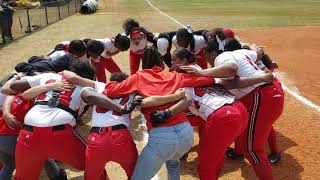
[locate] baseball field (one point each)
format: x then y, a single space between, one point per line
289 30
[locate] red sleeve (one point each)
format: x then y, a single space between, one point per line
116 90
193 81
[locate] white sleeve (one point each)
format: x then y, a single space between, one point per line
99 86
34 80
174 41
252 55
56 55
224 58
162 45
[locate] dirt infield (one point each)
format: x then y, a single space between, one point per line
294 48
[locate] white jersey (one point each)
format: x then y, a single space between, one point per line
209 99
2 98
105 118
162 46
45 116
245 61
57 54
199 41
139 49
109 48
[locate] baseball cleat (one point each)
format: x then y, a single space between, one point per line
231 154
274 158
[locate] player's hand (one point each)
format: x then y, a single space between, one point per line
11 121
268 77
191 70
129 107
159 117
70 76
138 100
181 93
61 86
274 65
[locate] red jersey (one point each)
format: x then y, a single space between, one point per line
155 81
19 109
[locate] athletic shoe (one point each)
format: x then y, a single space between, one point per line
274 158
231 154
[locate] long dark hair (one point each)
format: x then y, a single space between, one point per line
131 24
186 34
151 58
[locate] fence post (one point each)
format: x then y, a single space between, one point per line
46 12
29 24
68 9
59 10
75 5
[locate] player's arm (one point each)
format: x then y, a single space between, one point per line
91 96
161 100
159 117
14 85
38 90
10 119
222 71
76 79
246 81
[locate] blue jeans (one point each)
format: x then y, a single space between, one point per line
165 145
7 158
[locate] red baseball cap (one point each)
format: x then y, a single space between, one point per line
228 32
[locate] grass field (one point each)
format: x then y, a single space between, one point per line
297 129
239 14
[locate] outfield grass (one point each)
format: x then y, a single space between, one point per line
238 13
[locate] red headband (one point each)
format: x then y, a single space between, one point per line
136 31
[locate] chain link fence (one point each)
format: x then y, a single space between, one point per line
27 20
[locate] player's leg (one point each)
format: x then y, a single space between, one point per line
98 153
7 151
260 123
124 150
29 155
221 129
274 155
112 66
100 70
134 62
67 147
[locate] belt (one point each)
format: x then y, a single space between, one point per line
60 106
54 128
114 128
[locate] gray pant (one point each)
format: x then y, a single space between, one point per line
7 158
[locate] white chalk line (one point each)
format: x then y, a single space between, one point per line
297 96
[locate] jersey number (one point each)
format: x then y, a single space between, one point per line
123 101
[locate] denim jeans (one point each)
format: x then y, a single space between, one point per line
165 145
7 158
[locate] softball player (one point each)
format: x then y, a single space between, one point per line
76 47
139 39
47 130
194 43
257 98
111 47
109 138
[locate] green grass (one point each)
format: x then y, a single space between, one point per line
237 13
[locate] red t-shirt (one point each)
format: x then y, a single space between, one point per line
155 81
19 109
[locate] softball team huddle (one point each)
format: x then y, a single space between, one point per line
236 99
